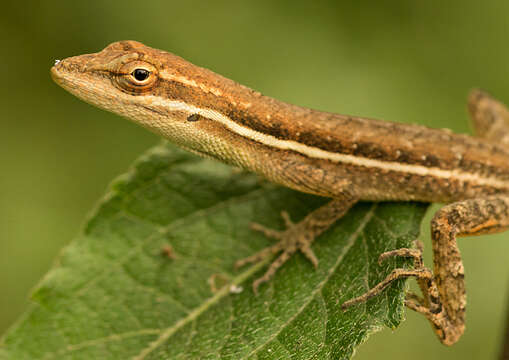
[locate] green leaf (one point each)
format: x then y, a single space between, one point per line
116 294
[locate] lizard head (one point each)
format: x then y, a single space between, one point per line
153 88
111 78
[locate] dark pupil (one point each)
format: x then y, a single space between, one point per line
141 74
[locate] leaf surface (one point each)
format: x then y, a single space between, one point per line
151 276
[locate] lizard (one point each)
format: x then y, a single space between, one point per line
344 158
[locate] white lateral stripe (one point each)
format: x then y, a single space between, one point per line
313 152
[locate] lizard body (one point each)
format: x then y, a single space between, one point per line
342 157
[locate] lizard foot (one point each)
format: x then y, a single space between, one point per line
296 237
423 275
430 304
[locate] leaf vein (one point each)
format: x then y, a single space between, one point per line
355 235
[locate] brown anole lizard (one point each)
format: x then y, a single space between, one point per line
342 157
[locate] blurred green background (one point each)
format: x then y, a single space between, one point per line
407 61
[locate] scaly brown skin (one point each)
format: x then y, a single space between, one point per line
342 157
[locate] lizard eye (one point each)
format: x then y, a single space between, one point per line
137 77
140 75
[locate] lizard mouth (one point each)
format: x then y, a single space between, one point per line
61 68
70 73
61 74
55 73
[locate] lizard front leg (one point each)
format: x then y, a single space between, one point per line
444 297
298 236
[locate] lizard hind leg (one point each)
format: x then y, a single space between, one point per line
297 236
490 117
444 296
